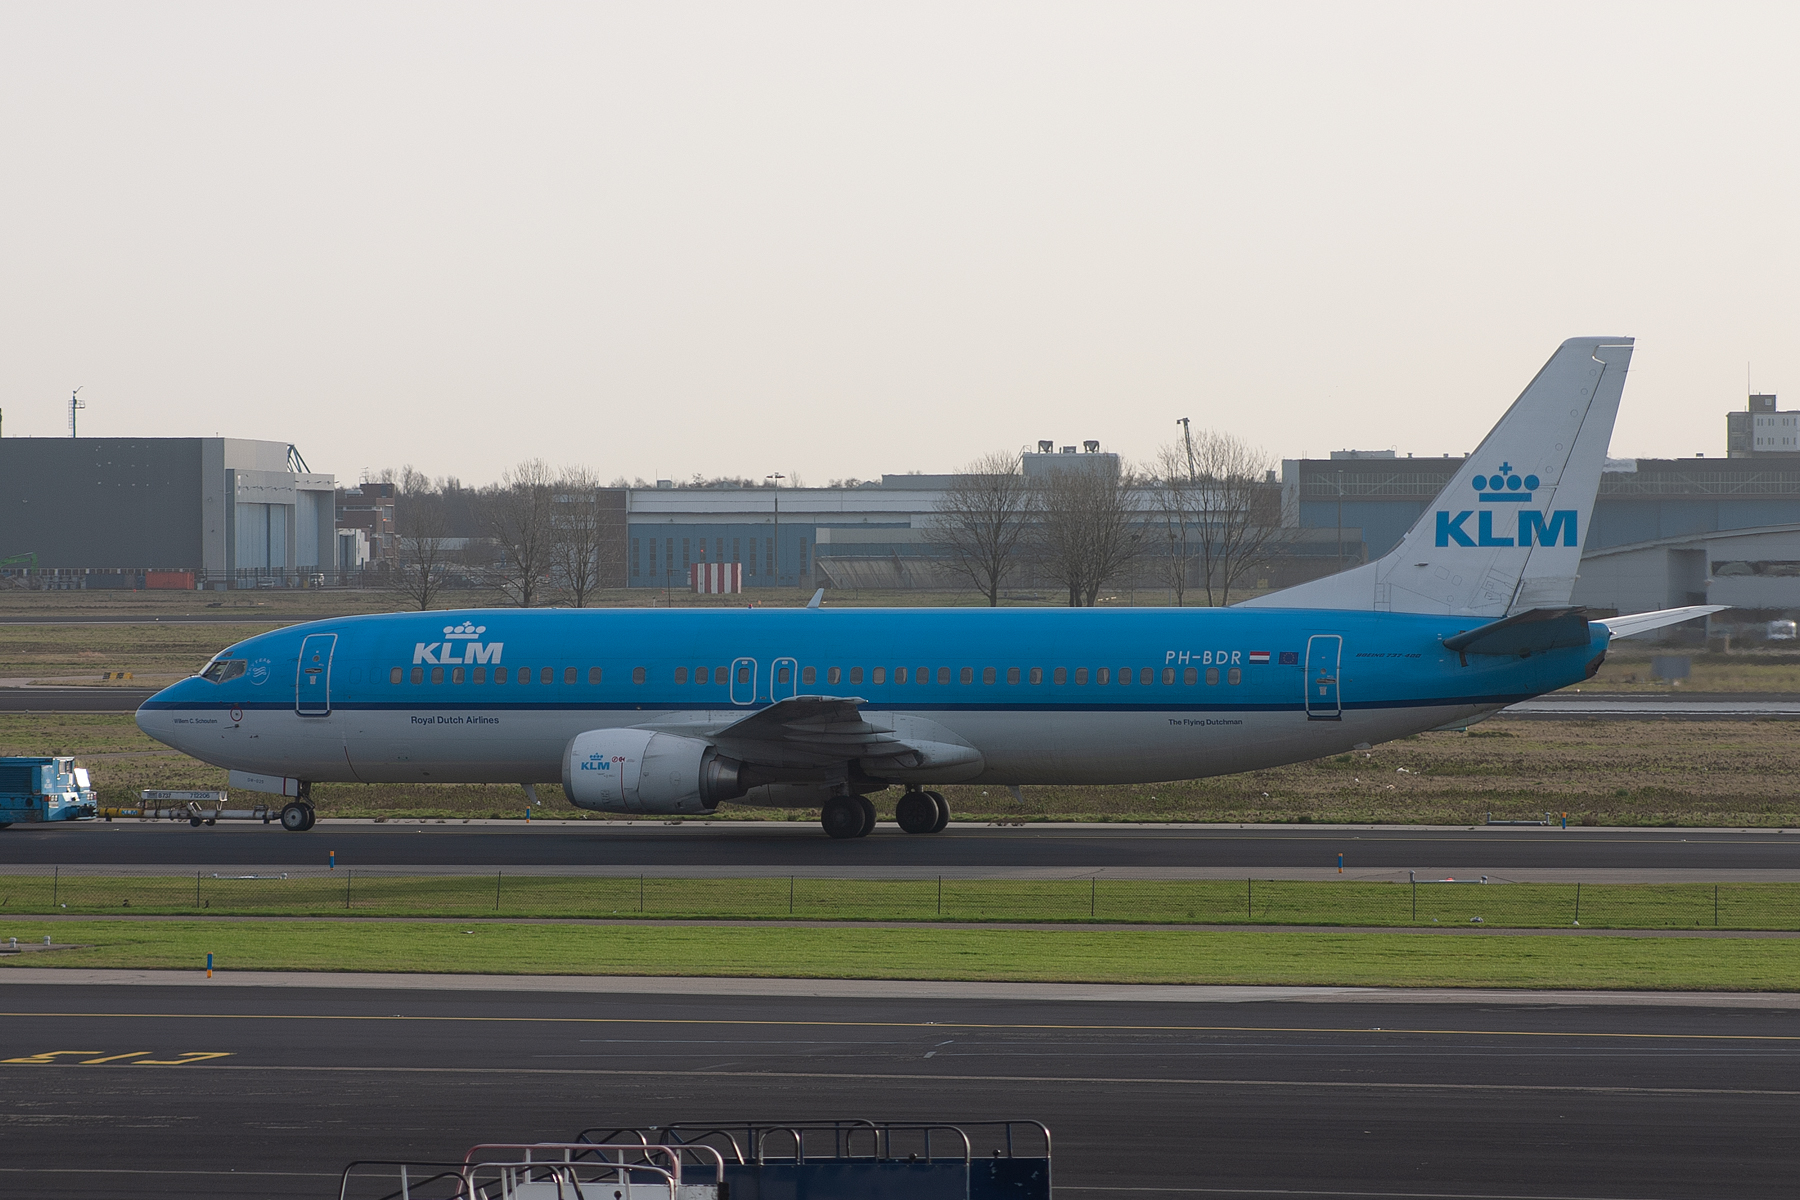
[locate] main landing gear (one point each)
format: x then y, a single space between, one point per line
848 816
854 816
922 812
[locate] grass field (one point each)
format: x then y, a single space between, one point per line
1600 772
1073 955
1749 906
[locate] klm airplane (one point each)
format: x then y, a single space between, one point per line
665 711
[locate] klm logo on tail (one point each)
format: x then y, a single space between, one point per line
1505 487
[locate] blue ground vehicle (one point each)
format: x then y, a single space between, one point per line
44 789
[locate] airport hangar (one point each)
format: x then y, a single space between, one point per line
162 512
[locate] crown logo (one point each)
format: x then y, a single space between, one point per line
466 631
1504 485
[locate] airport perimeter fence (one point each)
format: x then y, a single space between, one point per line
344 891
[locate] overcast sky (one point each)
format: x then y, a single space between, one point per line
842 239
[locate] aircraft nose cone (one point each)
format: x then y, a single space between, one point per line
153 715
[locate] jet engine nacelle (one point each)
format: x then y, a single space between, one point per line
642 771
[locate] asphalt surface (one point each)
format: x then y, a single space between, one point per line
802 848
73 699
1321 1099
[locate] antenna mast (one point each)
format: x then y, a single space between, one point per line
76 404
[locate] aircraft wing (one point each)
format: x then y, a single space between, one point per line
812 731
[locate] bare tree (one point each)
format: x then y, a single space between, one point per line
521 514
581 535
1229 508
422 547
1088 528
983 520
1175 489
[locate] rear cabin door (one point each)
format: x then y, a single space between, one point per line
1324 653
312 684
784 676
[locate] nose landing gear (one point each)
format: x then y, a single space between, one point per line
298 815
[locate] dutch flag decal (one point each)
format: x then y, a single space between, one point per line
1259 656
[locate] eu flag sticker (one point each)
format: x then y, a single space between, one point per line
1289 658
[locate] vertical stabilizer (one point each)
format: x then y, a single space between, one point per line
1505 535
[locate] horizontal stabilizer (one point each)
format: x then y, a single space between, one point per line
1528 632
1644 622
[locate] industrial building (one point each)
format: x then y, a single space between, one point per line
163 512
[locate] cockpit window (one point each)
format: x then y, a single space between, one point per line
223 669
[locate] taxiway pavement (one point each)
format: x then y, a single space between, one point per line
197 1091
739 849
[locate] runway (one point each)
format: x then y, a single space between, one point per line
735 848
190 1091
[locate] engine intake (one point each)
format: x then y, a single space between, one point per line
642 771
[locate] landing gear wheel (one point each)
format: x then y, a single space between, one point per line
868 816
842 817
294 819
943 811
916 813
312 818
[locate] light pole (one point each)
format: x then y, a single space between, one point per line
775 550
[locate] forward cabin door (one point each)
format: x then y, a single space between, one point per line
1324 654
312 683
743 681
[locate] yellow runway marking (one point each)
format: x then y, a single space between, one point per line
734 1022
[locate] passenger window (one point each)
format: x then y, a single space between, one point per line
834 675
524 676
721 675
1104 675
700 675
418 675
568 674
395 674
1060 675
499 674
680 674
785 675
1147 676
1124 676
437 674
856 675
456 675
1037 674
1190 676
900 675
1212 677
1080 676
1012 675
880 675
809 674
593 675
743 674
638 674
1235 676
944 675
479 675
1168 676
968 675
547 675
